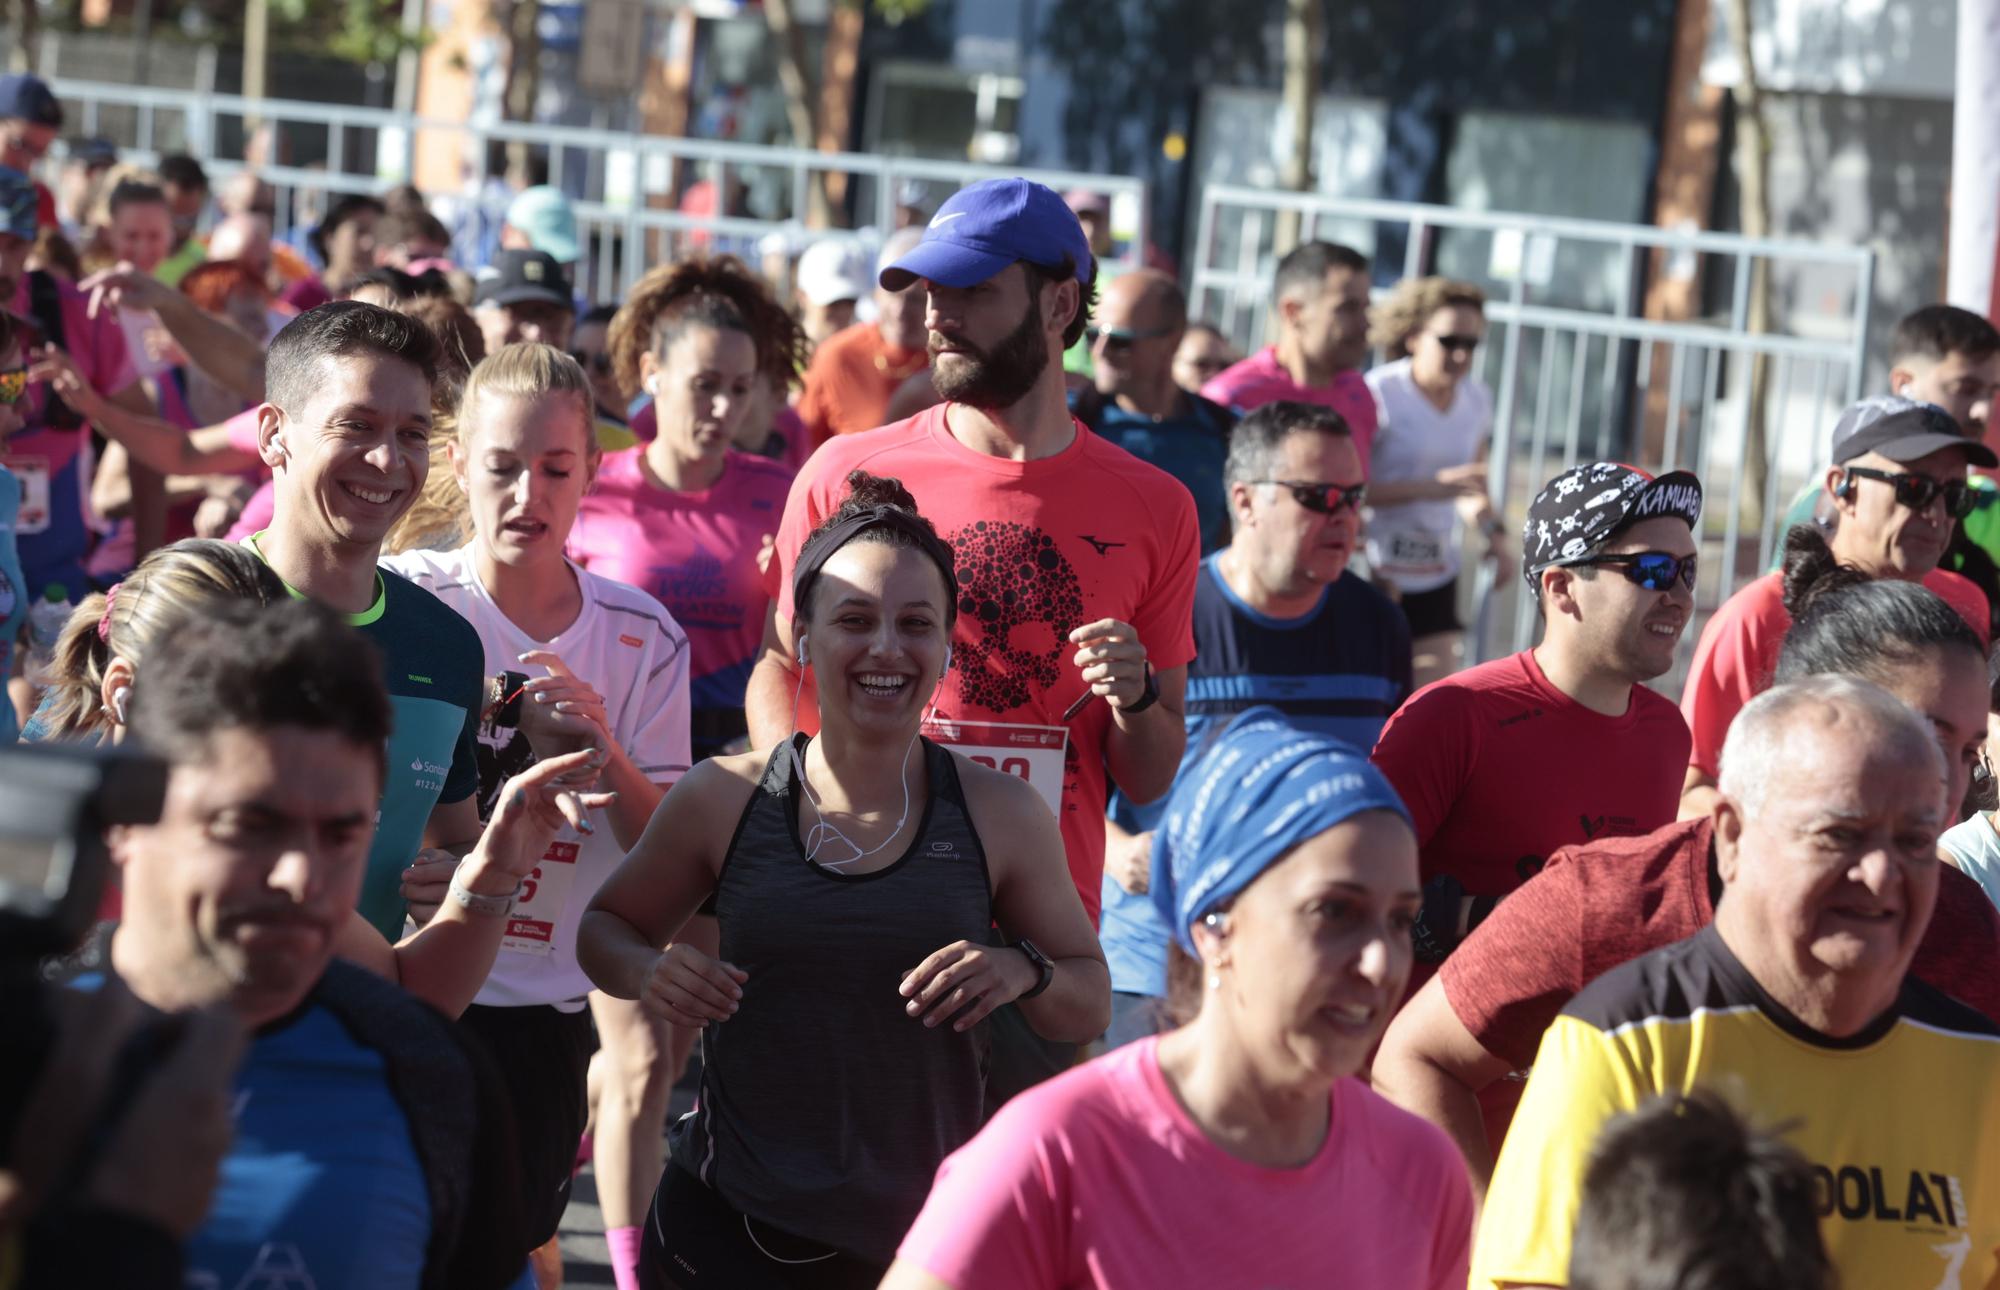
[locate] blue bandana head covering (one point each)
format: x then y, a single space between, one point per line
1261 787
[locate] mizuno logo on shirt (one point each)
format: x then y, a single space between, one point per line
420 680
1103 547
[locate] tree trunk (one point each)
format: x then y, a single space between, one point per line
1304 26
23 35
1753 174
524 64
797 85
256 53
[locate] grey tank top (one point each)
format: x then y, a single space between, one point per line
825 1109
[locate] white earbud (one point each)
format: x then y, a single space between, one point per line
278 447
121 697
803 660
652 384
947 663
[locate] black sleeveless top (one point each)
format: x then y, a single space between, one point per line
825 1109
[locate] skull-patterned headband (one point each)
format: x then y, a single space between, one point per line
1583 508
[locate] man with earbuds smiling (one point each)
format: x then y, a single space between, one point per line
346 431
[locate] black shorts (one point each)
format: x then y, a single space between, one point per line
695 1240
1434 611
544 1057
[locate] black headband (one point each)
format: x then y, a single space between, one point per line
819 548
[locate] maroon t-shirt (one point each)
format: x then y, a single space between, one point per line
1594 907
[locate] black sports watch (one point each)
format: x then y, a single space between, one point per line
1041 962
1149 696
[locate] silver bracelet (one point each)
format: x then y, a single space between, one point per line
475 903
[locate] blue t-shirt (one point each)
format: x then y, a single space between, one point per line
1192 447
435 670
13 593
1341 668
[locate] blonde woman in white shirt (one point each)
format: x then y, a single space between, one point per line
593 661
1428 470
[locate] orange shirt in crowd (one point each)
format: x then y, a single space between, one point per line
849 382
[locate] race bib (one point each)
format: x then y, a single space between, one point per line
33 472
1034 753
1425 550
531 928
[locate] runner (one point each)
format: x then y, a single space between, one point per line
1429 466
686 516
1610 554
856 371
616 679
1799 1003
1451 1053
1973 844
92 680
590 345
1204 354
1898 482
523 295
346 434
1320 302
1079 559
344 242
1277 616
841 865
370 1147
1239 1145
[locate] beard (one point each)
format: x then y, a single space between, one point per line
996 378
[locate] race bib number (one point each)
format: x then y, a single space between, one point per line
531 928
1034 753
33 472
1424 550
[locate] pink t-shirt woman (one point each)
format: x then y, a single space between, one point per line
1100 1179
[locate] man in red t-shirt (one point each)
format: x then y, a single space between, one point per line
857 370
1077 561
1898 483
1458 1053
1503 763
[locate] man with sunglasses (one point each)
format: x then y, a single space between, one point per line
1132 399
1897 484
1504 763
1279 620
590 346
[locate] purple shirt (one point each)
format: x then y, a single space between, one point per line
1261 379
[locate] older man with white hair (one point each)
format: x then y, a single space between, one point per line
1797 1005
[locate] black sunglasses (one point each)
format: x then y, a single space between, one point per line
600 363
1653 570
1120 337
1327 499
1918 491
1456 344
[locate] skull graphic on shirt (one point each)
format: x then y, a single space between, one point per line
1023 594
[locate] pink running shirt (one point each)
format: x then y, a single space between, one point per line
1098 1178
696 553
1261 379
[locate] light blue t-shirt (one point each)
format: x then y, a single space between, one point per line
1976 847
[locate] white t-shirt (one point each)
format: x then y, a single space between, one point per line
631 651
1416 544
1977 848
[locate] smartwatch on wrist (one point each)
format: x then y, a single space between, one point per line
1149 696
1041 962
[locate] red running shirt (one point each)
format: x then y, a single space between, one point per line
1043 547
1738 652
1597 906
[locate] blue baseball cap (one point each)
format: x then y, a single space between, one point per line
984 227
29 98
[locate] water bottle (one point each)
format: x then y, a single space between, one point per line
45 624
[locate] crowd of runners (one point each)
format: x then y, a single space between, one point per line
1022 750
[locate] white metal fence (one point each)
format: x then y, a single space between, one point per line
614 177
1576 373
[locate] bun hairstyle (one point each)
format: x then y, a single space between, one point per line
169 584
1845 622
717 292
876 510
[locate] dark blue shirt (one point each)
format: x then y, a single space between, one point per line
1192 446
1340 668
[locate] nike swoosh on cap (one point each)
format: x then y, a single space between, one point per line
946 219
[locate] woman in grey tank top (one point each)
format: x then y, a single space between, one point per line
858 878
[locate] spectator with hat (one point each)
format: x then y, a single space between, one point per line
830 280
1503 763
1897 484
30 115
523 295
854 374
542 219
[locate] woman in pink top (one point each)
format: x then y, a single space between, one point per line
686 516
1238 1148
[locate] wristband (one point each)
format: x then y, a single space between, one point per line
1147 697
475 903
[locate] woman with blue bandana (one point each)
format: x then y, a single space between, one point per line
1239 1144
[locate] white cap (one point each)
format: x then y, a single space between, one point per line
831 270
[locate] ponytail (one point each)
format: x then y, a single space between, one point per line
704 291
75 703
